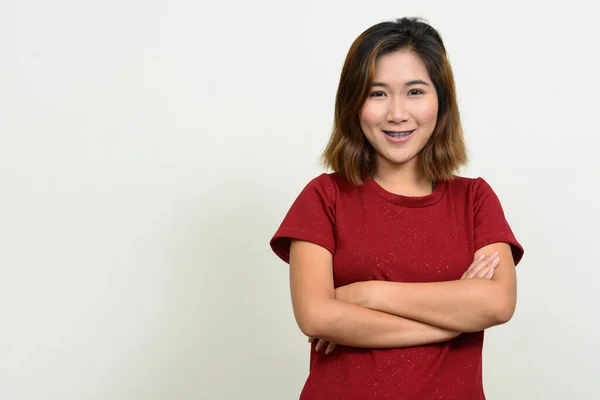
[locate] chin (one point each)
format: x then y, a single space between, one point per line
399 159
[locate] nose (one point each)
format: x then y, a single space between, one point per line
397 112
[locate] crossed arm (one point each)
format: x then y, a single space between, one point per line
380 314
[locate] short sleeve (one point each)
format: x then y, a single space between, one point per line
491 225
311 218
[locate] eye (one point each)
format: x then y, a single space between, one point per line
377 93
415 92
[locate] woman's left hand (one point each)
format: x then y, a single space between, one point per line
322 343
355 293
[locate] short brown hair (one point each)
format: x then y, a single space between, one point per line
348 151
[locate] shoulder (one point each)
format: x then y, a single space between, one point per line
330 185
323 180
333 179
322 185
479 195
466 182
473 187
320 191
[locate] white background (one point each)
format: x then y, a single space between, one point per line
149 150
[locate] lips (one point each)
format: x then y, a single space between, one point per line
398 134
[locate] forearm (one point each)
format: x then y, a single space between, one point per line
352 325
468 305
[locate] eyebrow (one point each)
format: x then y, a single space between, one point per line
407 84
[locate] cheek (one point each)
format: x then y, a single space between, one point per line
429 112
369 116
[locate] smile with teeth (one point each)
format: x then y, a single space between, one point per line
398 134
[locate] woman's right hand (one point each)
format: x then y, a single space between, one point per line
482 267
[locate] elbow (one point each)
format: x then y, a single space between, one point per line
504 311
311 322
308 327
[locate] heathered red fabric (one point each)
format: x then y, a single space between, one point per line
374 234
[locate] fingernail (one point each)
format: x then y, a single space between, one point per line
494 255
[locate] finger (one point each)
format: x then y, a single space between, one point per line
490 273
495 262
320 344
482 266
476 268
330 347
479 271
311 339
484 272
475 263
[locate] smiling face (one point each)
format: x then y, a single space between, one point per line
400 113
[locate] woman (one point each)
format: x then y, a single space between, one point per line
395 259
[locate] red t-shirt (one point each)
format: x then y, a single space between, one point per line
374 234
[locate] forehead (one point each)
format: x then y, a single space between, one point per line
400 66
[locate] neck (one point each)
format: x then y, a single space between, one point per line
402 179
